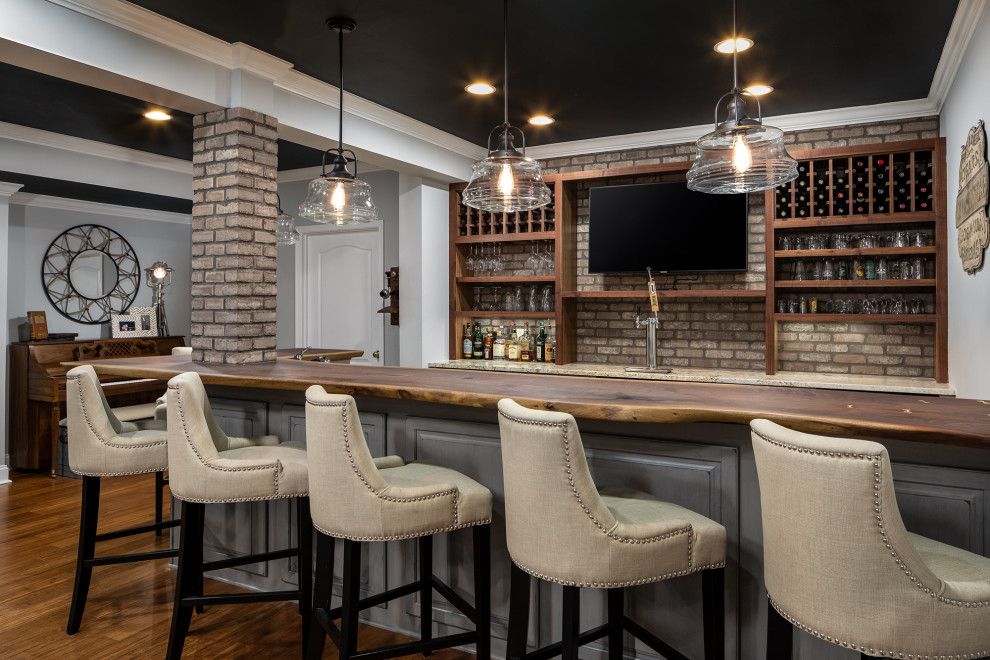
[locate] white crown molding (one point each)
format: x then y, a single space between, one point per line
964 25
8 189
98 208
42 138
241 56
795 122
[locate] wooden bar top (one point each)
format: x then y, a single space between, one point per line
962 422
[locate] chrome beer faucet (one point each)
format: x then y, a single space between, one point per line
651 323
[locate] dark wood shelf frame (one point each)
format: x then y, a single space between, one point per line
933 221
754 294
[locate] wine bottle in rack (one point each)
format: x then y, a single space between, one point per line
923 180
802 191
820 184
784 201
840 188
860 185
881 184
901 196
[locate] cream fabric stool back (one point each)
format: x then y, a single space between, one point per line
361 499
561 528
208 466
839 564
100 445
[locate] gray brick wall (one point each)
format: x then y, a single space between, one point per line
730 334
235 169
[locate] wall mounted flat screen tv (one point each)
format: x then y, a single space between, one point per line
667 227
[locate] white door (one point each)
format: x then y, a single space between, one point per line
339 271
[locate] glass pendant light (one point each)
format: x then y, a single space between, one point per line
285 230
741 155
340 197
506 181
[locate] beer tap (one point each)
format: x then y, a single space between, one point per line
651 323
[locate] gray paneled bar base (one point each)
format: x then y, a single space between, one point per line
943 492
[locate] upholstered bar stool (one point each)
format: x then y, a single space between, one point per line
839 564
360 499
101 445
562 529
206 467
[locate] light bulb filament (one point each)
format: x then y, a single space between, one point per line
742 158
337 197
505 182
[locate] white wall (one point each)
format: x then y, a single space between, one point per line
969 295
385 193
32 229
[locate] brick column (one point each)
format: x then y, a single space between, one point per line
235 165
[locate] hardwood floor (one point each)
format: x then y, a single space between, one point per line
129 610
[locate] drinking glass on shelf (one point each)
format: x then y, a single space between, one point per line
509 300
900 239
520 304
546 299
882 270
788 242
472 260
917 306
919 239
547 260
917 268
897 307
799 271
828 270
816 270
533 260
906 269
534 303
476 306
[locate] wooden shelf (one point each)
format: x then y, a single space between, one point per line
503 238
865 318
675 293
504 315
854 252
854 284
839 221
506 279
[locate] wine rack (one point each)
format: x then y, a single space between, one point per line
472 222
839 254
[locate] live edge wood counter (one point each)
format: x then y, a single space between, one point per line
961 422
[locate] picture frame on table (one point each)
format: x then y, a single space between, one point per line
147 320
124 325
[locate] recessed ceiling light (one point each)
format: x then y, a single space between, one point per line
158 115
541 120
726 45
480 88
759 90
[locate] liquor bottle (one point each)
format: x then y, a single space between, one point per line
478 345
498 350
468 343
488 344
511 347
553 346
525 343
541 344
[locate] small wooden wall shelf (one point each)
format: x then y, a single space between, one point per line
754 294
869 188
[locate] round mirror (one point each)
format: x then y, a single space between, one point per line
93 274
90 272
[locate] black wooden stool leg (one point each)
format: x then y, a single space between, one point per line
571 623
350 608
159 499
713 595
426 589
780 635
483 590
616 603
89 515
305 524
200 608
188 576
321 597
515 644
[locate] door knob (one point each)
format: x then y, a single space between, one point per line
376 354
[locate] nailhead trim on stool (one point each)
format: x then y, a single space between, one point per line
396 537
876 459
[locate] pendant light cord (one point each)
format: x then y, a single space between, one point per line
735 51
505 57
340 124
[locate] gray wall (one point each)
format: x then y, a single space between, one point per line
33 228
969 295
385 193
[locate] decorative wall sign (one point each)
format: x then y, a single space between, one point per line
971 202
90 272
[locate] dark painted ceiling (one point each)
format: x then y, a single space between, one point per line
600 68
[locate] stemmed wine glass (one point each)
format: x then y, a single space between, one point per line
547 261
534 261
472 260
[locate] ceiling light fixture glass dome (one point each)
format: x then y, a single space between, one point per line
285 229
506 180
340 197
741 155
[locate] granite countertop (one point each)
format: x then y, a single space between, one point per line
894 384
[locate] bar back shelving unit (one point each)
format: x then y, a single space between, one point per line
889 193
